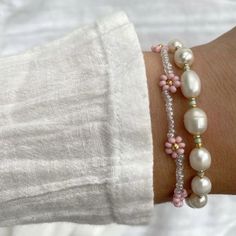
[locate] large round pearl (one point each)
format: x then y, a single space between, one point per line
195 121
201 186
196 201
190 84
183 56
200 159
174 44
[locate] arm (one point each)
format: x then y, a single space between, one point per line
215 63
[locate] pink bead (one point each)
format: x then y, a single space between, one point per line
177 195
156 48
171 76
173 89
165 87
168 150
176 78
174 155
167 144
171 140
179 204
182 145
176 200
162 83
178 139
163 77
180 151
177 83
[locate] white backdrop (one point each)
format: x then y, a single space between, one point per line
25 23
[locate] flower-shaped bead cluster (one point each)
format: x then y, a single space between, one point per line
175 146
170 82
178 198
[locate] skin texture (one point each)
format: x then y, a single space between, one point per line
215 63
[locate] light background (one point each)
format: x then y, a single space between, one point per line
26 23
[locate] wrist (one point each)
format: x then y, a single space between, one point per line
164 168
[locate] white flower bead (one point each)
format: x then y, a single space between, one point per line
174 44
183 56
201 186
195 121
190 84
200 159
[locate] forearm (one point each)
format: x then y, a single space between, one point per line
215 69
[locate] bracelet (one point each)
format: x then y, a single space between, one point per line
195 122
174 146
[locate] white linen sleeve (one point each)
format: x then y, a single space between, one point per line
75 136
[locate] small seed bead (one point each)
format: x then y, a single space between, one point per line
175 145
198 141
192 102
186 67
201 174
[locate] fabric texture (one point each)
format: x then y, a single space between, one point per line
75 130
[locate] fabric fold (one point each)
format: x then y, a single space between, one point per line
75 130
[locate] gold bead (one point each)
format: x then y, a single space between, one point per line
201 173
198 140
175 147
169 82
198 145
186 67
192 102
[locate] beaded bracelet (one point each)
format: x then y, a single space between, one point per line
195 122
174 145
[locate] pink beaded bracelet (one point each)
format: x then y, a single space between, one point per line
174 145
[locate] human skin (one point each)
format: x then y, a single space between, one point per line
215 63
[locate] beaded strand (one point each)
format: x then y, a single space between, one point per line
195 122
174 145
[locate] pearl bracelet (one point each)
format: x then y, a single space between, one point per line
195 122
174 145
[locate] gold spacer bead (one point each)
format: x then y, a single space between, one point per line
175 147
198 140
198 145
186 67
169 82
201 173
192 102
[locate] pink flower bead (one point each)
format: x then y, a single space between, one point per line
174 146
169 82
178 198
179 204
156 48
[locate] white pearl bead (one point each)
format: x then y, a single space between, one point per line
195 121
190 84
174 44
200 159
183 56
201 186
196 201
